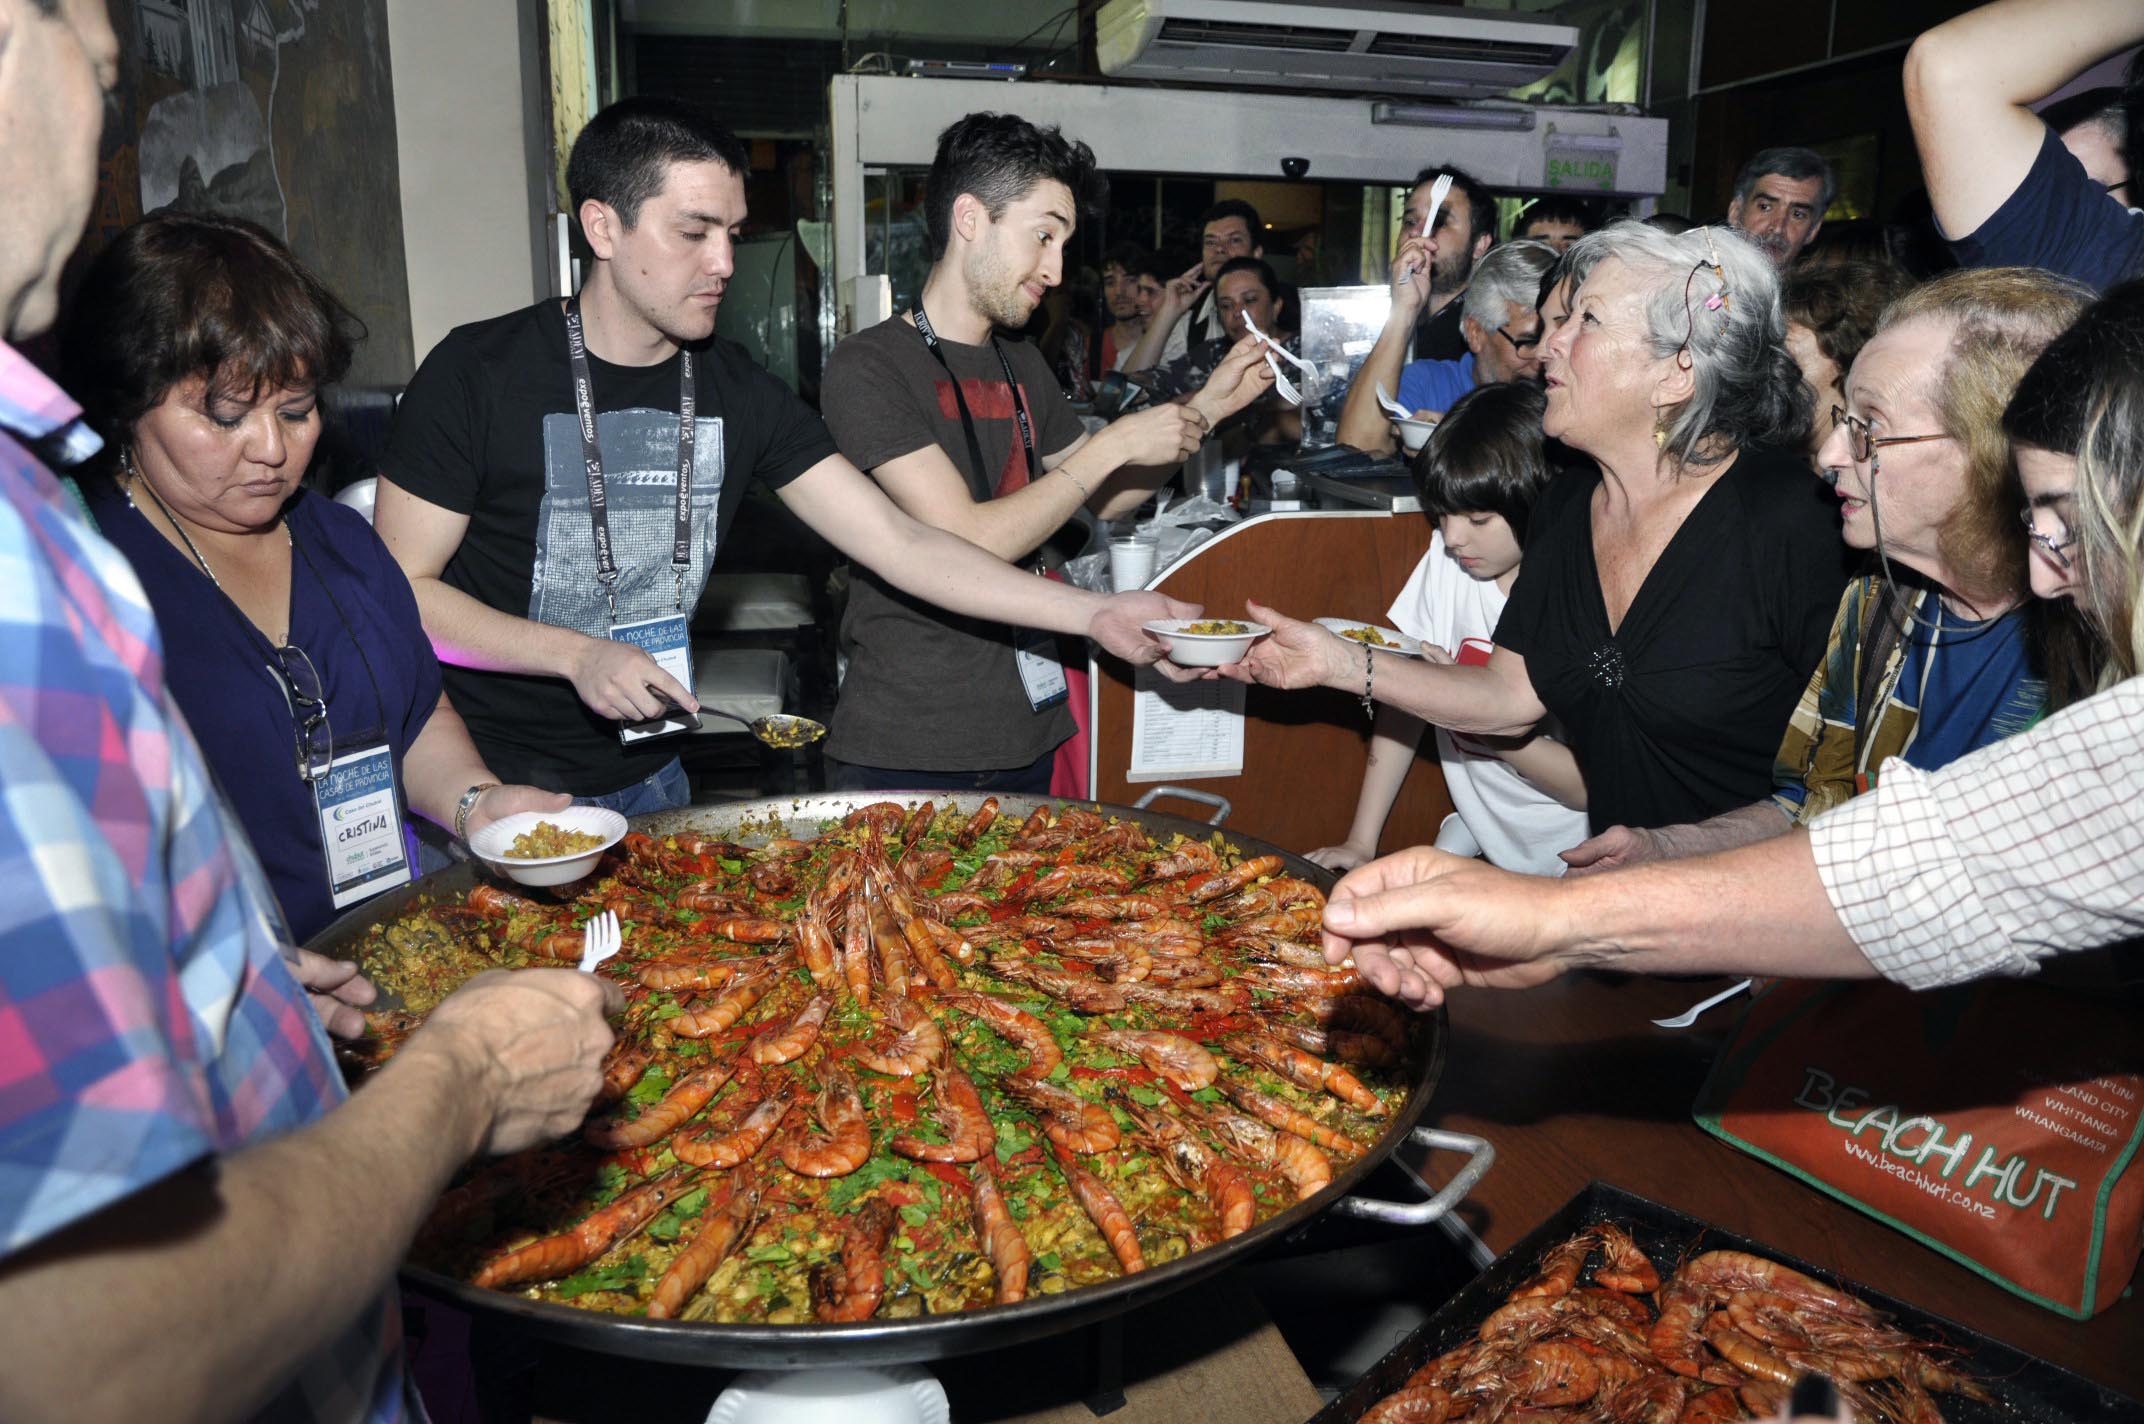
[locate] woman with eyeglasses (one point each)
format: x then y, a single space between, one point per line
1939 649
199 348
1673 601
2007 857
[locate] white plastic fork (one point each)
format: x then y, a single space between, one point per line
1392 407
1689 1016
1274 349
600 939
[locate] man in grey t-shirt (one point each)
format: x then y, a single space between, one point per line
969 432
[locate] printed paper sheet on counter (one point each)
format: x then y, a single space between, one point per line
1184 730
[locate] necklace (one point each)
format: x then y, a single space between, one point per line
135 477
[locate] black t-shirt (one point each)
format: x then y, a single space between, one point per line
487 429
1677 714
1438 337
2058 218
929 690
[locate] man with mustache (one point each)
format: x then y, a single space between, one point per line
1780 198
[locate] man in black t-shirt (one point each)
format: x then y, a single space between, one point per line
2006 193
503 452
968 431
1466 230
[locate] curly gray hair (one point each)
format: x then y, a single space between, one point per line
1713 298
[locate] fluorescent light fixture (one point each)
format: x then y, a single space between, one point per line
1448 116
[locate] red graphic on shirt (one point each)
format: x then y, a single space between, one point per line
988 401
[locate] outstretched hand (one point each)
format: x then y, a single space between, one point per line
1242 377
1420 922
1298 654
1119 626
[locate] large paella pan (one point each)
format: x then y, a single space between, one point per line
903 1079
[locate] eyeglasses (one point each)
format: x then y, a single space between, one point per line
308 710
1521 344
2063 538
1863 445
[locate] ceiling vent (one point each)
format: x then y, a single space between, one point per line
1363 47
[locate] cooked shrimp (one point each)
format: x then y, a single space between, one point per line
1365 1013
724 1150
1236 877
958 902
1088 996
623 1065
1715 1406
718 1235
745 929
884 817
1754 1359
496 903
686 1097
1648 1397
1184 974
1273 895
1038 821
1194 1166
1185 858
1421 1404
1016 1024
923 939
1067 878
958 1110
1248 1140
1676 1337
847 1144
1176 1058
1102 1208
1068 1120
1116 907
1365 1049
707 897
560 947
1000 1236
671 976
1624 1266
917 1047
1280 1114
855 1292
919 821
786 1045
856 947
815 946
1231 997
1307 1070
892 947
1000 867
586 1239
772 878
1306 983
1114 961
978 823
724 1012
1725 1272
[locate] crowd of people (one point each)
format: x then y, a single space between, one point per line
1772 720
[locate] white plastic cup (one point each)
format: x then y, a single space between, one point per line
1131 561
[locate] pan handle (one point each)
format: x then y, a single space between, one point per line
1480 1154
1221 804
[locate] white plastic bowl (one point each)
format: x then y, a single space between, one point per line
1414 434
1205 649
490 844
884 1394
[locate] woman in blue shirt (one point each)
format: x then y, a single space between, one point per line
200 346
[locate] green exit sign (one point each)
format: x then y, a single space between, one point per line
1592 170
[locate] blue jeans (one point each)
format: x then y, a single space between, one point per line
1032 779
664 790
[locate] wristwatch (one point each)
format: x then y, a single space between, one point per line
463 807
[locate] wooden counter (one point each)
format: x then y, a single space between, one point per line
1303 752
1572 1082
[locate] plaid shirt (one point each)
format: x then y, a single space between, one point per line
147 1019
2029 848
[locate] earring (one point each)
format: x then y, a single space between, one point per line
1660 434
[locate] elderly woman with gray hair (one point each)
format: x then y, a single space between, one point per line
1673 602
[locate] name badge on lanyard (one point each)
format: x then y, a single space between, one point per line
665 638
1034 652
361 825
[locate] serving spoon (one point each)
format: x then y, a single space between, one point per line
779 730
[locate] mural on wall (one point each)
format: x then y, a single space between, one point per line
279 111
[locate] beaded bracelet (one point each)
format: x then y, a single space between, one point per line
1369 682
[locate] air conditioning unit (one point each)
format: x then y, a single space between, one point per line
1367 46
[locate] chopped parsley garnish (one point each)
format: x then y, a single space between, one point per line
621 1276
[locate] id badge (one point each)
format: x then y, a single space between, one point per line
669 642
1041 674
361 825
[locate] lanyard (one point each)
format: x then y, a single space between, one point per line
967 421
584 404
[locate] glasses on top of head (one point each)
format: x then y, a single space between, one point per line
1524 345
1863 445
2063 537
309 712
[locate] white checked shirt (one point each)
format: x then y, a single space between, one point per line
2028 848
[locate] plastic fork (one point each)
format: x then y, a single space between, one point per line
1281 383
1392 407
1437 192
600 939
1689 1016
